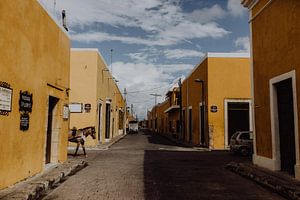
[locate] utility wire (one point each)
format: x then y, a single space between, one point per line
148 90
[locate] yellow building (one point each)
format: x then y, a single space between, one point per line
215 106
275 46
95 99
34 82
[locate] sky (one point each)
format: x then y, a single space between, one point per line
153 42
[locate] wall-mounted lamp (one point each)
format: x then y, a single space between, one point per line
68 91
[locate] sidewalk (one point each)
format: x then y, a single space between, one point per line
37 186
278 182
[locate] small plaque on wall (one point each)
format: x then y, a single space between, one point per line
66 112
87 107
5 98
24 122
25 101
213 109
75 107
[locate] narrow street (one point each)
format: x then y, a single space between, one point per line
142 166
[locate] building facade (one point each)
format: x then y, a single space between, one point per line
215 101
95 99
34 85
275 45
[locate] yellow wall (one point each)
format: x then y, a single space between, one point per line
225 77
92 83
275 40
34 52
191 96
229 78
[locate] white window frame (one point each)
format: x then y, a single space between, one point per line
275 121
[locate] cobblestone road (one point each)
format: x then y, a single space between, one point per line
149 167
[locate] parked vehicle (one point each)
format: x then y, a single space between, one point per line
133 127
242 142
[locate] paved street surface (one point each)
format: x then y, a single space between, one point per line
149 167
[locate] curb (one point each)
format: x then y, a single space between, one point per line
116 141
282 185
107 146
36 189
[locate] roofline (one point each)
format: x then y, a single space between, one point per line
249 3
97 51
217 55
91 49
54 20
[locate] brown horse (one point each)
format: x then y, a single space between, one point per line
79 136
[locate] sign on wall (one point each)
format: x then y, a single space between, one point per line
25 101
5 98
87 107
66 112
75 107
213 109
24 122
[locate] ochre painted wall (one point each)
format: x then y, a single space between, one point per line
229 78
191 96
276 42
34 52
83 84
92 83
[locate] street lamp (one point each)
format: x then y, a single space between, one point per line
202 111
180 109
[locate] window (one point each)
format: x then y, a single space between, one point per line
245 136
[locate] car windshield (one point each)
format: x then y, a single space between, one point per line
234 135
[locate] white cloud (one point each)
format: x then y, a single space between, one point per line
235 8
182 53
164 21
141 79
100 37
244 43
207 14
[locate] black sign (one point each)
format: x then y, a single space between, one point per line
87 107
214 109
25 101
24 122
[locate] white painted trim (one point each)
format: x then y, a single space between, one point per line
249 3
101 119
261 10
226 101
274 116
252 87
265 162
227 55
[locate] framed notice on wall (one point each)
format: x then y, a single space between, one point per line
75 107
5 99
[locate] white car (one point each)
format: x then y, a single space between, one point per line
242 142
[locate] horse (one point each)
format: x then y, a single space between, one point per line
79 136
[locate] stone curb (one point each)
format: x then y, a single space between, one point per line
36 188
286 187
116 141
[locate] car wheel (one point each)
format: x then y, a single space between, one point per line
244 151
